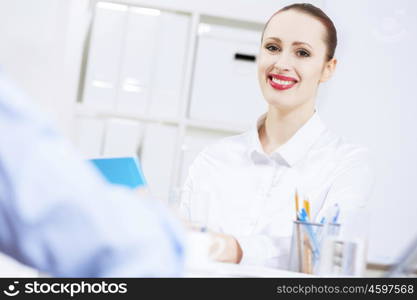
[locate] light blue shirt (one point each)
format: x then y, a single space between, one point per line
59 216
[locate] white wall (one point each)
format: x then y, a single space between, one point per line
372 101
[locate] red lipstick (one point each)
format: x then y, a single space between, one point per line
279 86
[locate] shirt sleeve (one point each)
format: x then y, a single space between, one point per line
188 189
264 250
190 181
59 216
352 192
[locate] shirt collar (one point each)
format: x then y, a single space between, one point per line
294 149
255 151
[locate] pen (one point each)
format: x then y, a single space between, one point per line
307 207
332 214
331 217
336 214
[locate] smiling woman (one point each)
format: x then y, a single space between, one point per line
296 55
254 175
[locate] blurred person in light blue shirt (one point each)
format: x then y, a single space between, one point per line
59 216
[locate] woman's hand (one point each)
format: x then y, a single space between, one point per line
232 252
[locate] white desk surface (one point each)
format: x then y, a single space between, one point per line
216 269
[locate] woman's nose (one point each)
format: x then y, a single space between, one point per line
283 62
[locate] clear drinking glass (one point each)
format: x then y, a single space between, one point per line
192 206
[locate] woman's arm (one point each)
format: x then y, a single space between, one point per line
351 190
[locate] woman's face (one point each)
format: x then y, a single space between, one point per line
292 60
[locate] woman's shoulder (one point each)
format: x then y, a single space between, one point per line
344 149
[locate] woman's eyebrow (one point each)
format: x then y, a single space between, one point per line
275 39
296 43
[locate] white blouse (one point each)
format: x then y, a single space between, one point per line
252 193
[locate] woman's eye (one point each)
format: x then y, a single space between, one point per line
272 48
303 53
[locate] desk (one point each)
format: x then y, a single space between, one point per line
216 269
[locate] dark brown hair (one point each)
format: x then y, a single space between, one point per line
317 13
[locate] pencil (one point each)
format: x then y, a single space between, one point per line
300 256
297 206
308 256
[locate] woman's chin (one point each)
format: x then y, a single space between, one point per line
282 104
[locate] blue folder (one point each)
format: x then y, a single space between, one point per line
124 171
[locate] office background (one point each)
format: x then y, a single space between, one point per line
162 79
